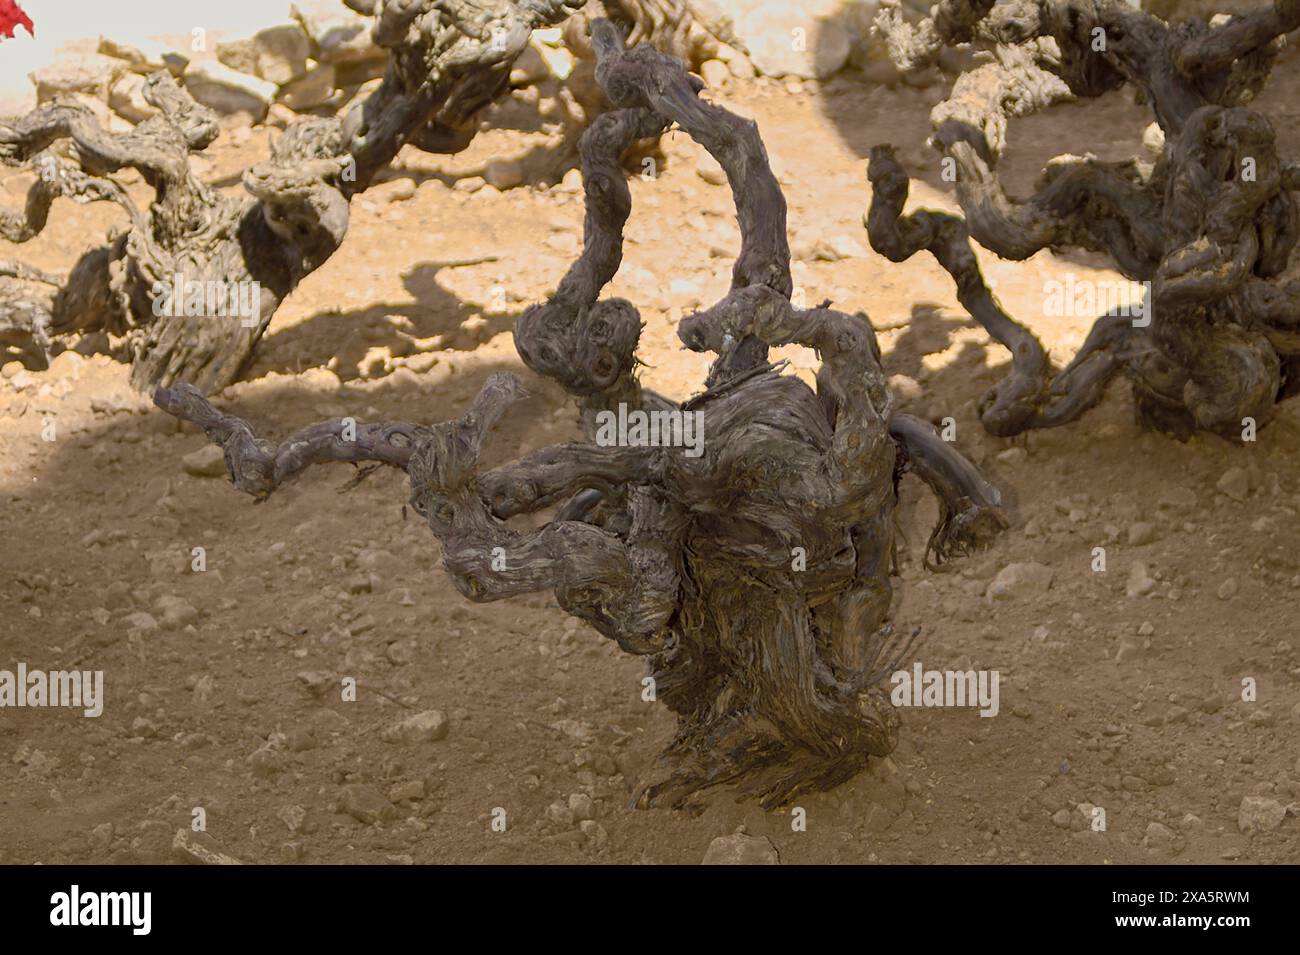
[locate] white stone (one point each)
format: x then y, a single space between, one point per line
313 89
228 91
806 39
338 34
277 54
146 56
92 74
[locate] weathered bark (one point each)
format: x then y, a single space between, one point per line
448 59
670 26
753 575
1210 225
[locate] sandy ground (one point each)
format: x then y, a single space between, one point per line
1132 704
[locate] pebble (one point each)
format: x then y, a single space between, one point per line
1020 580
581 806
102 835
1140 533
503 173
596 835
1227 590
1158 835
1260 814
400 190
208 461
560 814
905 388
741 849
176 612
293 817
404 792
709 169
715 73
426 727
1235 483
265 762
366 804
1139 581
571 181
144 622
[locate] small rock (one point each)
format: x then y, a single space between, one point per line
175 612
426 727
144 622
1141 532
200 847
339 34
905 388
504 173
292 816
1260 814
102 835
709 169
145 56
1235 483
1158 835
208 461
820 47
581 806
741 849
1016 581
228 91
571 181
313 89
715 73
399 190
408 791
1139 581
560 815
595 833
265 762
366 804
92 74
1227 590
277 54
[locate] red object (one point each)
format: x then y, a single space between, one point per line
12 17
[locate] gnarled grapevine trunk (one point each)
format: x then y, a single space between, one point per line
1210 226
232 261
752 569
